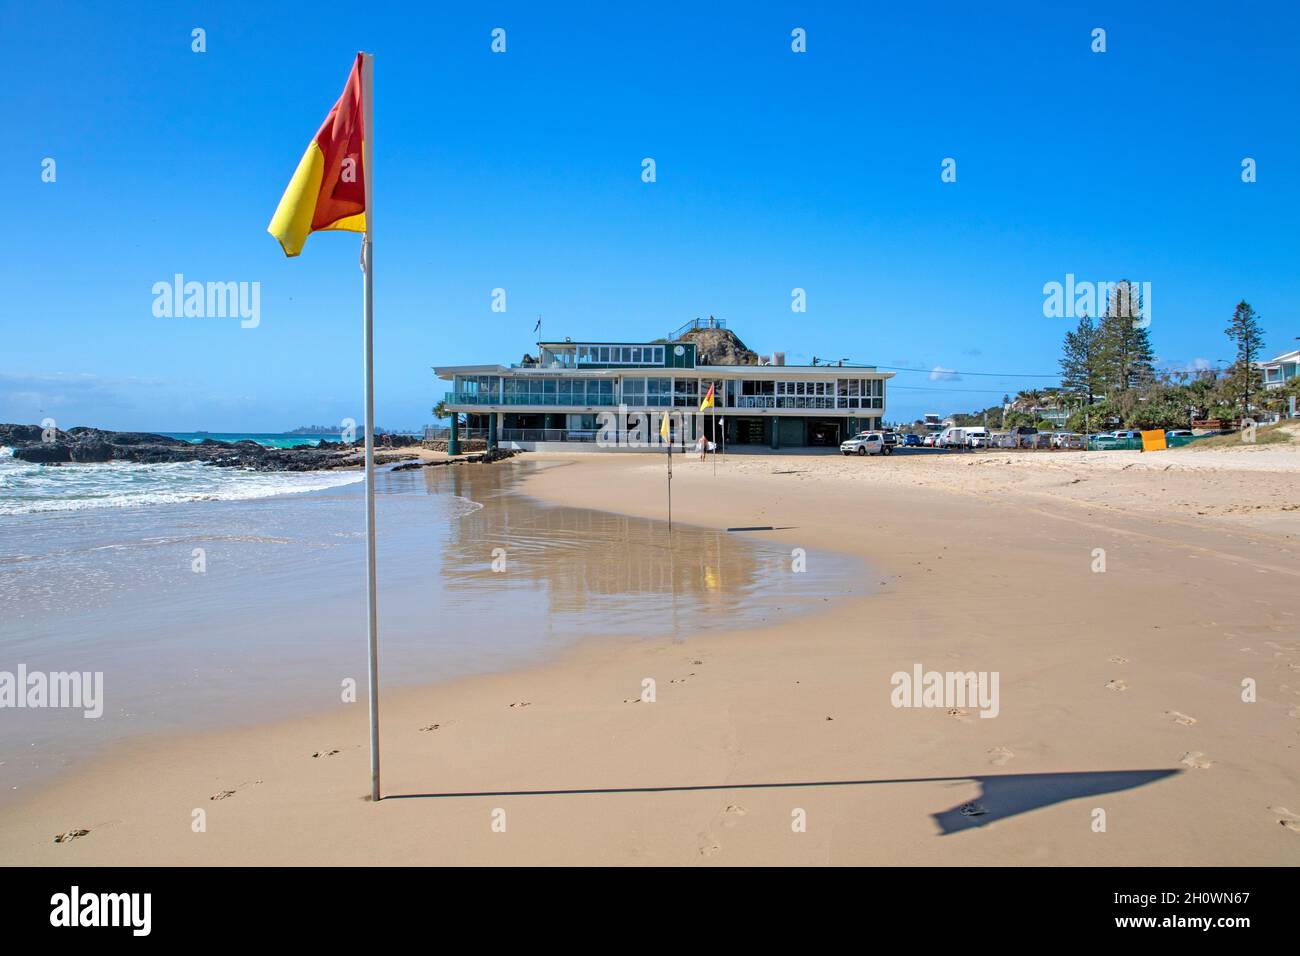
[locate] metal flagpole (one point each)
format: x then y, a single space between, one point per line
714 429
368 264
669 444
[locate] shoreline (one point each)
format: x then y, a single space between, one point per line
795 716
67 761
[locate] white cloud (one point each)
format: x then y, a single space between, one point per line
941 374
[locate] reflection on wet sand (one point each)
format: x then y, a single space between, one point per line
621 573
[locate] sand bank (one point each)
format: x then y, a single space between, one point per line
1120 692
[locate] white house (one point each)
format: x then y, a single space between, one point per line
1280 371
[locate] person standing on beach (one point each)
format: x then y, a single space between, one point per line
702 446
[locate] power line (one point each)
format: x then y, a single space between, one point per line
946 371
931 388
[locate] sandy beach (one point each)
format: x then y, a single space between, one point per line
1121 694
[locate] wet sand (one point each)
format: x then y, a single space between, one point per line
1120 693
275 624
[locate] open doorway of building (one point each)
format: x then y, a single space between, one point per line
825 433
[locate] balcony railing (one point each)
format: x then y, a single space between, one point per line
822 402
443 433
470 398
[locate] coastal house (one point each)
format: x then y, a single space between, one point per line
1280 371
614 394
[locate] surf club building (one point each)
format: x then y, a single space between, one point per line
613 395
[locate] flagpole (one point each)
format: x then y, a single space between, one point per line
368 290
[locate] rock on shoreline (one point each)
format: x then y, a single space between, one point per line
84 445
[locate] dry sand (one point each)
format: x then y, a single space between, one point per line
1120 692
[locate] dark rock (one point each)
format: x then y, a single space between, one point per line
44 453
92 451
14 436
89 445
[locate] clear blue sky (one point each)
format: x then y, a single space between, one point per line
522 171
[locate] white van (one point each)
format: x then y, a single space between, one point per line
952 438
977 437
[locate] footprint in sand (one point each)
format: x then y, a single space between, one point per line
709 846
429 727
521 703
732 814
75 834
1194 758
1289 820
957 712
226 794
1116 685
999 756
1294 712
1118 660
972 810
325 753
1180 718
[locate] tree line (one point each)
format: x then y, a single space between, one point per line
1109 379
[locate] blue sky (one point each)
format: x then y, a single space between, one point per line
522 171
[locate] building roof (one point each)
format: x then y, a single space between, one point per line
1292 356
448 372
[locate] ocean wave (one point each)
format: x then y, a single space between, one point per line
465 506
27 488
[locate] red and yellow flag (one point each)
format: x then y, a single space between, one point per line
328 189
708 400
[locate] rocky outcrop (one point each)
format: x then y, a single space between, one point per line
719 347
93 445
487 458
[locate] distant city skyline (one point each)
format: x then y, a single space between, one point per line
915 179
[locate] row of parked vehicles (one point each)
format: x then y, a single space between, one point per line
884 442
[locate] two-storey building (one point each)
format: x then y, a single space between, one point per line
574 390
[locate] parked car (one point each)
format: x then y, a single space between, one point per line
1024 436
912 440
1131 435
892 440
1068 440
1178 433
865 443
977 440
929 440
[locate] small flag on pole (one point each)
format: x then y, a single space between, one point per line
708 400
328 189
664 429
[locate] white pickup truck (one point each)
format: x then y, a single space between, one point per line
865 443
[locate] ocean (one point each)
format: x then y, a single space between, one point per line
209 597
269 439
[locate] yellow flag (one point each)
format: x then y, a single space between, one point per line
708 400
328 189
663 428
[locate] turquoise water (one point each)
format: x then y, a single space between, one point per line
269 439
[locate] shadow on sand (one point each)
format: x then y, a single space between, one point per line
1001 795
